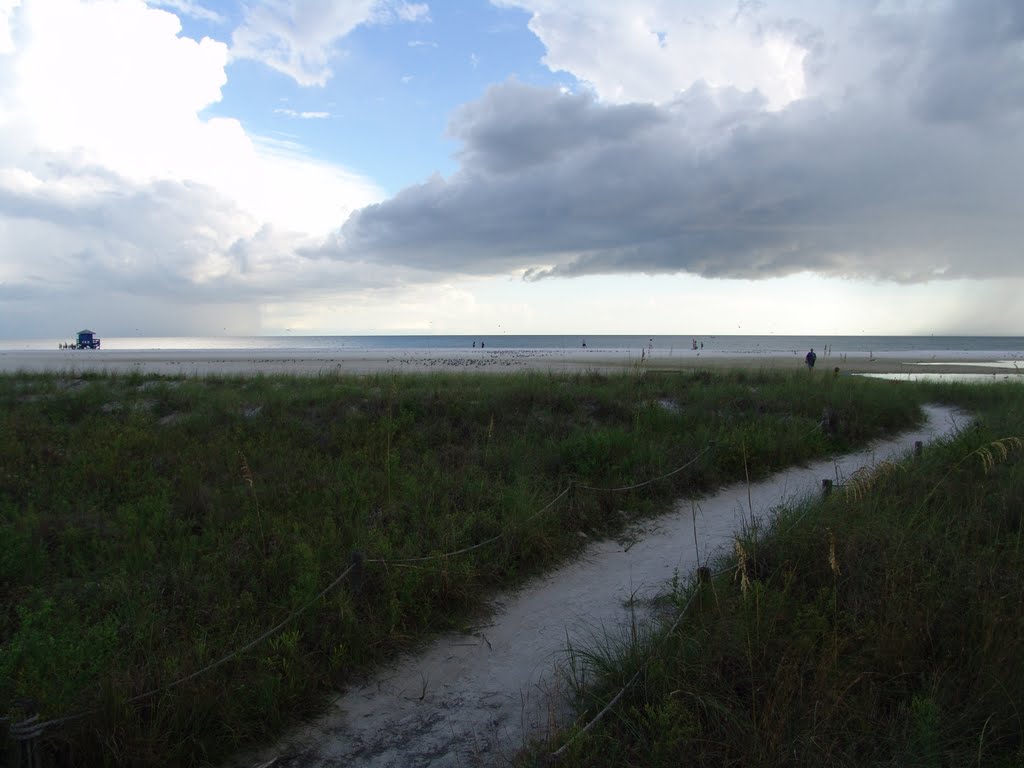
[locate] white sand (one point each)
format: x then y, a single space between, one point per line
250 362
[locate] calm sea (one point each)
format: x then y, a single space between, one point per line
730 344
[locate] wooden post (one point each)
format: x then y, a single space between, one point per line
826 488
704 597
355 580
918 447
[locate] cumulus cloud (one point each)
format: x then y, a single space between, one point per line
650 50
114 85
300 37
907 173
114 82
115 190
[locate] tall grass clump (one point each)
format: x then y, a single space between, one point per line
883 625
152 526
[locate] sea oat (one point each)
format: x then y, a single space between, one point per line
246 472
741 553
833 561
864 480
998 451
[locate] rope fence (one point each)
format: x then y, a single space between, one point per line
827 486
464 550
29 729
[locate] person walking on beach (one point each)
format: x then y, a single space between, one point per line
810 359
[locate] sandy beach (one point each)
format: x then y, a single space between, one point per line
292 362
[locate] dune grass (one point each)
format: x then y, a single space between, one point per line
152 525
882 626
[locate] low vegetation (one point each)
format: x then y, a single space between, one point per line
152 527
882 626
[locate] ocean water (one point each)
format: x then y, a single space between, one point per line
723 344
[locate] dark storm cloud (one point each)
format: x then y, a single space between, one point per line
914 177
975 69
527 127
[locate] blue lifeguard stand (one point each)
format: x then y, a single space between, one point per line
87 340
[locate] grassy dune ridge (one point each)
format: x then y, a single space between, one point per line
151 525
881 626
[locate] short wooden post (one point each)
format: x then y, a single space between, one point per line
918 447
703 599
356 576
826 488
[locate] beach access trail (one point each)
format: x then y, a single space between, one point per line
476 698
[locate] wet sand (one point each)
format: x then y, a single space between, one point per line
314 363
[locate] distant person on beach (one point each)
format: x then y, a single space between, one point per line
474 345
810 359
584 343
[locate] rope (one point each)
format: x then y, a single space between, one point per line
38 729
542 510
557 754
676 471
478 545
248 645
34 729
28 729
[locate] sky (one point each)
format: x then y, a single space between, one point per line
306 167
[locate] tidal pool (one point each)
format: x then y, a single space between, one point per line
966 378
